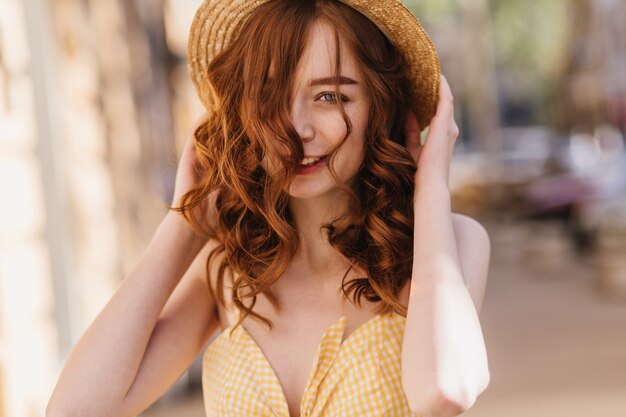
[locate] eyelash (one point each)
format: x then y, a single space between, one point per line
343 98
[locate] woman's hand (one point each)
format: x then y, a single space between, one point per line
187 171
188 175
434 157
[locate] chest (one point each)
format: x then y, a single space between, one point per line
291 345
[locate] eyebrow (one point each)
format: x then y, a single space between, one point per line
331 81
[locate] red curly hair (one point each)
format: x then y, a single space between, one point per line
251 120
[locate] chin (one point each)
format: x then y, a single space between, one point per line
326 187
305 193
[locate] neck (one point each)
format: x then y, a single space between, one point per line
315 256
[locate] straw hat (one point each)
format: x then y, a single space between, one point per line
217 23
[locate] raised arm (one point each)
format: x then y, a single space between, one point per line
148 333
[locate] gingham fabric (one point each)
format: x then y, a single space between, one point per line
358 377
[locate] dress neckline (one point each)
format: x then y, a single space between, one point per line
330 343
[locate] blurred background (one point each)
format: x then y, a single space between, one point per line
95 103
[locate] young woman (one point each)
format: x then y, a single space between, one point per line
309 224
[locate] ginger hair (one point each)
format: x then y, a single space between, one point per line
251 119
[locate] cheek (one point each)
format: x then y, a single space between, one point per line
358 136
358 150
351 155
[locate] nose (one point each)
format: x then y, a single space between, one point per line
301 120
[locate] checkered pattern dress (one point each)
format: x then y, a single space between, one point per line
358 377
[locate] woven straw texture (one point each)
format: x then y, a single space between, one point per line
218 22
355 376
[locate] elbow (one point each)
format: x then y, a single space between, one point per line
437 403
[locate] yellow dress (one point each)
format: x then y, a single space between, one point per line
358 377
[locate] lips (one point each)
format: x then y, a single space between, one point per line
316 162
310 169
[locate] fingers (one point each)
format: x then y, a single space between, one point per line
444 116
188 154
445 106
200 119
196 124
189 147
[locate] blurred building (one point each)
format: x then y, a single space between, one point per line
89 92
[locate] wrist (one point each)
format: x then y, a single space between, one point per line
431 187
182 230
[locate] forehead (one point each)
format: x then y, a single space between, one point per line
318 58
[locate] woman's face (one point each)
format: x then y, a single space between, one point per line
316 116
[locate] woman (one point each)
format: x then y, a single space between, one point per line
310 225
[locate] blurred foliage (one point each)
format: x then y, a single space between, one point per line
530 40
432 11
531 50
531 36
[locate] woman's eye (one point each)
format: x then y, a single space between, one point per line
333 97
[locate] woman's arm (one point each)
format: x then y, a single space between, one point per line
151 329
444 360
126 338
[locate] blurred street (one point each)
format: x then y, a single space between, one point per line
557 346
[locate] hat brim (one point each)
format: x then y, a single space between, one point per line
217 23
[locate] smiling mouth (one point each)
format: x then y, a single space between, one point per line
313 163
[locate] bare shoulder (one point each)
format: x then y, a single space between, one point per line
474 246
